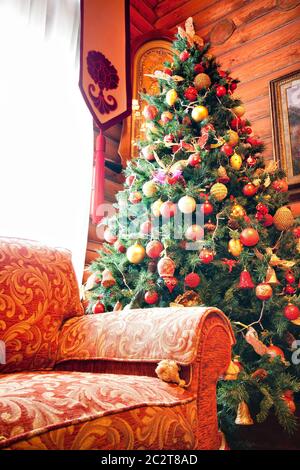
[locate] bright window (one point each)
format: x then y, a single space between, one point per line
46 132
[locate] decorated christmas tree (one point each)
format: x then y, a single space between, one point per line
203 220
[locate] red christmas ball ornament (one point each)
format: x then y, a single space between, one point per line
289 277
233 86
192 280
184 55
296 232
194 159
135 197
280 186
207 208
151 297
119 246
154 249
249 236
169 138
253 141
251 161
168 209
268 220
223 74
274 351
262 208
168 71
206 256
109 237
150 112
227 149
290 290
198 68
98 307
250 190
263 291
146 227
191 93
237 123
221 90
194 232
291 312
148 153
130 180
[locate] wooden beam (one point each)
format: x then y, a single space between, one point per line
144 10
139 21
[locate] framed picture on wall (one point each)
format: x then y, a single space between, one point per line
285 105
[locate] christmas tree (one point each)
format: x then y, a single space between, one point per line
203 220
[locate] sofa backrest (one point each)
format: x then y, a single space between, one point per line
38 292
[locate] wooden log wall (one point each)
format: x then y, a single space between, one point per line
258 40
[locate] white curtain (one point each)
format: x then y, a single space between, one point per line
46 132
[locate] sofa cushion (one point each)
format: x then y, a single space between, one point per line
38 291
34 404
140 335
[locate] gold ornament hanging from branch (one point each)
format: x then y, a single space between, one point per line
243 416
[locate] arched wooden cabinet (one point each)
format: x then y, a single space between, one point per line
148 58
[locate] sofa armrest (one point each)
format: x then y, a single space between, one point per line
140 335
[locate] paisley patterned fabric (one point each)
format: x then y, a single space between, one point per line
38 291
147 335
75 410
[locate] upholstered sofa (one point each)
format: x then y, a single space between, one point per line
75 381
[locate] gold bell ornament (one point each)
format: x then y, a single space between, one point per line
232 372
283 218
271 277
107 279
243 415
219 191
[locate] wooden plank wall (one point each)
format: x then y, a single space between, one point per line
258 40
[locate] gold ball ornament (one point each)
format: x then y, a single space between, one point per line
283 218
180 165
202 80
149 189
187 204
171 97
237 211
219 191
239 111
199 113
236 161
156 207
233 138
136 253
235 247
